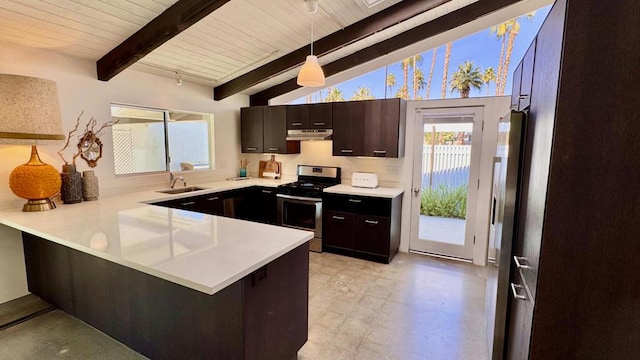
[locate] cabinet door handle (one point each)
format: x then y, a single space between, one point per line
338 217
267 191
274 149
371 222
296 124
213 198
252 149
379 151
514 289
523 96
521 262
187 203
355 200
319 124
346 151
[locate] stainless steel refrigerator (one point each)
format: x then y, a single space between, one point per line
504 218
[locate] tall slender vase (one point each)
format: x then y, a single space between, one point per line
89 186
71 191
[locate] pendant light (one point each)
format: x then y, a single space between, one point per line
311 73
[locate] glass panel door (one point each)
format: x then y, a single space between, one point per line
445 181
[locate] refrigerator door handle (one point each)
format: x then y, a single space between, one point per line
521 262
514 290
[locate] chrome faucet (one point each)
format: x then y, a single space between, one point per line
173 179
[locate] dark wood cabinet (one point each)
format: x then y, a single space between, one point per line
310 116
361 226
528 63
384 128
264 130
369 128
252 203
251 129
163 320
338 230
348 128
373 235
577 216
267 205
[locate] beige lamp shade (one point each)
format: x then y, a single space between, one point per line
311 73
29 111
30 115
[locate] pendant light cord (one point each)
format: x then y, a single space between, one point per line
311 33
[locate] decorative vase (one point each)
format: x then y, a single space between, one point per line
71 191
89 186
243 172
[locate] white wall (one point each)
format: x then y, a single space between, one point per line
399 172
78 90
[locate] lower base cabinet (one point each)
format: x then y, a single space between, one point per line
261 316
361 226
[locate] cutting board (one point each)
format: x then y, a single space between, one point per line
262 165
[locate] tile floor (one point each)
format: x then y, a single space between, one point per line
417 307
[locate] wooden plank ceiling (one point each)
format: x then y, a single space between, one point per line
229 48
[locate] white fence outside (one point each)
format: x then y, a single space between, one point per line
449 165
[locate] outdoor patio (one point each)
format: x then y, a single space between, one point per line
446 230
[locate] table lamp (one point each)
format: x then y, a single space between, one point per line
30 115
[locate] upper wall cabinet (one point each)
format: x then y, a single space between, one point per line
523 80
309 116
251 129
369 128
264 130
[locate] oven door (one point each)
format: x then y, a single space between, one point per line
300 213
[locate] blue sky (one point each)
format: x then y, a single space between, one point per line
483 48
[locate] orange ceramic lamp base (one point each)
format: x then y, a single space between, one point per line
37 182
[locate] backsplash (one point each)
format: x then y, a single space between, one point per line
320 153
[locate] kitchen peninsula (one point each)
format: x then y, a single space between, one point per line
171 283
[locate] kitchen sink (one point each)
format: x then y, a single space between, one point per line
182 190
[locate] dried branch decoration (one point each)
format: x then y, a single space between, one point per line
88 129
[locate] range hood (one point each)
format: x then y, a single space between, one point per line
309 134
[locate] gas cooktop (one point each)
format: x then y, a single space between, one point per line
311 181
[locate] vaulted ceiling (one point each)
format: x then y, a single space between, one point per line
254 47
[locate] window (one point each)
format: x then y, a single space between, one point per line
150 140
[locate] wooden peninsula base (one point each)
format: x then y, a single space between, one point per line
262 316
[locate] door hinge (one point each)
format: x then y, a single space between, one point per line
474 239
478 183
482 129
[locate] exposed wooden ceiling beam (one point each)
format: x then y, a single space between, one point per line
165 26
379 21
409 37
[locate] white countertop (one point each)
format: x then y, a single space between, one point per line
377 192
203 252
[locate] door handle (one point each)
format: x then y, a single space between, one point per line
319 124
267 191
296 124
274 149
416 191
521 262
338 217
372 222
514 289
213 198
348 151
187 203
355 200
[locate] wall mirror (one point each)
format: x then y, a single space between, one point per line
90 148
150 140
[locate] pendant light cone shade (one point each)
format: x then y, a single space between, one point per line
311 73
30 115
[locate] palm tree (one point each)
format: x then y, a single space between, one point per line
362 93
334 94
418 83
445 74
488 76
467 76
401 91
500 30
391 81
514 30
433 64
406 64
417 72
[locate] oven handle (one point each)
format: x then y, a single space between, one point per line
301 198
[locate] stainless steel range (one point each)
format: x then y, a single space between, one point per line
300 203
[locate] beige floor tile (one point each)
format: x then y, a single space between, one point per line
417 307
